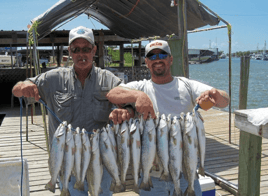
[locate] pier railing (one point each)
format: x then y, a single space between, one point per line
250 150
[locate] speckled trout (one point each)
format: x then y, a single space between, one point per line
68 161
56 155
162 147
123 151
111 135
190 152
95 169
86 155
201 141
78 159
148 151
135 150
109 160
175 155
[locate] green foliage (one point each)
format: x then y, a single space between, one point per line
115 54
33 27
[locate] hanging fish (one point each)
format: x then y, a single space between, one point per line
68 161
148 151
135 150
190 152
95 169
56 155
175 155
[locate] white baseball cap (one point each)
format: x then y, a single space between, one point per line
157 44
81 32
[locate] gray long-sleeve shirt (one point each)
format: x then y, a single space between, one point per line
85 107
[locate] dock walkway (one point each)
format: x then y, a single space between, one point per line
221 157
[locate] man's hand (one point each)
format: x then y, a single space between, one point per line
120 115
122 95
144 106
213 97
26 89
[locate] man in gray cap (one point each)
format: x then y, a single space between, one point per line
165 94
76 94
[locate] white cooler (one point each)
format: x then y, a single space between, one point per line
207 186
10 181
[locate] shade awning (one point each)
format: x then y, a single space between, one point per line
127 18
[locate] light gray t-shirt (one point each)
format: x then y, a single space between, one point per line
171 98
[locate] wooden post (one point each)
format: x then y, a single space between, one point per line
140 53
244 76
11 55
178 45
121 64
100 48
249 154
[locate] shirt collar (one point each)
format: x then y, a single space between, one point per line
89 75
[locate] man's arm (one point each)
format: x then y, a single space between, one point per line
213 97
26 89
122 95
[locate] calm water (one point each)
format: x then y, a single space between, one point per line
216 75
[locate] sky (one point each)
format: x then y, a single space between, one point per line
248 19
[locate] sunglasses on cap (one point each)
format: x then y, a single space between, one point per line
84 50
154 56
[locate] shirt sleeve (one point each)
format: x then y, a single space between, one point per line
198 88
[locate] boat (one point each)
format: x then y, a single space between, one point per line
5 60
265 57
223 56
198 56
258 56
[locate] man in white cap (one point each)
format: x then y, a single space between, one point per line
76 94
165 94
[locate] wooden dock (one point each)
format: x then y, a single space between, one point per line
221 157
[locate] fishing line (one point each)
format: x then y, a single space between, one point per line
21 106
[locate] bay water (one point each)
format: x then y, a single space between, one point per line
216 74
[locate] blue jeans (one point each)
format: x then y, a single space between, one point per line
161 188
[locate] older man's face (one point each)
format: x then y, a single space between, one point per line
159 67
82 53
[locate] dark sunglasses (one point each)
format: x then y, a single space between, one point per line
154 56
84 50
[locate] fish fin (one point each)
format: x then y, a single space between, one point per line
65 193
165 177
145 186
189 192
49 186
100 191
150 182
136 189
201 171
177 194
112 186
79 186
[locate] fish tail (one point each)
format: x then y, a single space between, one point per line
189 192
51 187
112 186
65 193
150 182
79 186
123 186
201 171
165 177
145 186
136 188
177 194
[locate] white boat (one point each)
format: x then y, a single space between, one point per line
5 60
258 56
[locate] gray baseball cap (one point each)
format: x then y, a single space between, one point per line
81 32
157 44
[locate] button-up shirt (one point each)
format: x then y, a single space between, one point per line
85 107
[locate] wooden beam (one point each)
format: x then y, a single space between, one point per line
244 76
179 44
